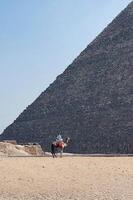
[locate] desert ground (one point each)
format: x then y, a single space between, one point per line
67 178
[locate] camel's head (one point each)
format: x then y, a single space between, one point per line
67 140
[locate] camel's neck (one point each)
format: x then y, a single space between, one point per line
66 141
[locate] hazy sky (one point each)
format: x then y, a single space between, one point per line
39 39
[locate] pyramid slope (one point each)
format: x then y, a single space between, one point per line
91 102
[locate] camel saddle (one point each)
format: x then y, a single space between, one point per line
59 144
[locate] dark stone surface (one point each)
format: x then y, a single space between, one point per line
92 101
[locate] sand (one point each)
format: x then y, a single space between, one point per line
67 178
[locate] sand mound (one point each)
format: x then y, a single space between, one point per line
7 149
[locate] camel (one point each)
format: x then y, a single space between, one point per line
60 145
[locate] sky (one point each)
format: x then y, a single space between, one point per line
39 39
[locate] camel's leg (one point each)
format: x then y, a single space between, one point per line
61 153
53 151
55 156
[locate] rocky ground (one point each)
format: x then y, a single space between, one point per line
9 149
67 178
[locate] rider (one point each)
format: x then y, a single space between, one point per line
59 138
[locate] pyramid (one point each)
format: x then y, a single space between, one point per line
91 101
